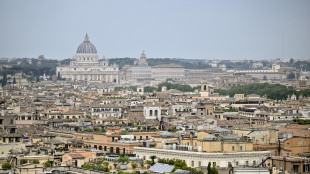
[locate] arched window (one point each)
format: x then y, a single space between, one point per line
156 113
151 113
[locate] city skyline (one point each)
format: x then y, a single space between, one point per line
174 29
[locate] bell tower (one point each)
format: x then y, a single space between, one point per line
204 92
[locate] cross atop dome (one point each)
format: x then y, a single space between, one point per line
86 38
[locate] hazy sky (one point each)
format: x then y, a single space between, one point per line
225 29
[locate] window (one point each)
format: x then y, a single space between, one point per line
263 139
253 138
240 148
237 163
233 148
199 163
254 163
193 163
214 163
306 168
247 163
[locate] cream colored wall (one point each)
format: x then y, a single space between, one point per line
271 136
158 141
216 146
211 146
227 146
201 134
5 148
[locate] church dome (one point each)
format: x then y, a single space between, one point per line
86 47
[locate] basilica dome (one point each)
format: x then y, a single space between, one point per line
86 47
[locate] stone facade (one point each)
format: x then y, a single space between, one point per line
152 112
199 159
172 71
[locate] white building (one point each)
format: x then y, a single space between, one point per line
166 71
200 159
152 112
86 66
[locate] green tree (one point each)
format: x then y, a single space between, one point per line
123 159
265 78
149 89
209 168
14 80
48 163
6 165
120 172
88 166
104 169
142 164
212 170
37 79
291 76
23 161
4 80
153 157
172 129
148 162
134 88
170 80
106 163
36 161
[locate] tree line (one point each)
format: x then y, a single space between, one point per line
169 85
271 91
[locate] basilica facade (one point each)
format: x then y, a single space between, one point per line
86 66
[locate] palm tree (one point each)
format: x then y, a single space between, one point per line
153 157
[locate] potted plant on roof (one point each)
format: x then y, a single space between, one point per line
149 163
123 160
142 164
134 165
